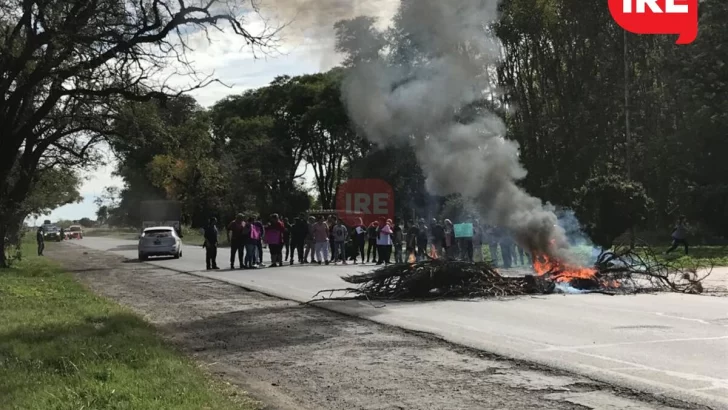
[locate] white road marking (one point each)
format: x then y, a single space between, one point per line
701 321
594 346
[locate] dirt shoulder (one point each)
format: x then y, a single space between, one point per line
291 356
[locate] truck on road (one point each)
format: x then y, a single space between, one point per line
161 213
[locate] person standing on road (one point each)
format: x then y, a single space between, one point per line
299 231
491 237
477 242
397 241
423 234
41 241
372 233
274 239
340 233
679 236
321 237
310 241
360 239
252 237
287 239
236 240
411 240
384 242
438 238
259 244
210 245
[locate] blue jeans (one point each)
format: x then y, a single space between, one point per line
251 254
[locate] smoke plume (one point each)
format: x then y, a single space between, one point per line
433 104
310 22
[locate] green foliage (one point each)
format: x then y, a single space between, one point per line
608 206
62 347
53 187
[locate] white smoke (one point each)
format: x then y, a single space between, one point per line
309 23
419 102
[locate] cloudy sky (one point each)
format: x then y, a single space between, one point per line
305 46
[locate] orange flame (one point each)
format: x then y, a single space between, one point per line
563 272
433 252
412 259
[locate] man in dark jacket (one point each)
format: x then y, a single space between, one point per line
437 230
299 231
41 241
236 240
210 245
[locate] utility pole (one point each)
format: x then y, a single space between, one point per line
627 130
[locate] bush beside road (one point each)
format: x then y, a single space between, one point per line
63 347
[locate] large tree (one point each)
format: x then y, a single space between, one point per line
64 64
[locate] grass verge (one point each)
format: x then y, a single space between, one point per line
61 347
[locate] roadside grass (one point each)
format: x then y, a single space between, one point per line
700 256
61 347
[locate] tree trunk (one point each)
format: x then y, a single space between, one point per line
3 244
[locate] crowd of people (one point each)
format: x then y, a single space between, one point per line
328 240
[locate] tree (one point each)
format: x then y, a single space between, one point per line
86 222
52 188
334 143
608 206
64 65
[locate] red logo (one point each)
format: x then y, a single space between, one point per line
658 17
368 199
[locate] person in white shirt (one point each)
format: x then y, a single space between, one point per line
384 242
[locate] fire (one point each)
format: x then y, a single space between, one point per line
412 258
433 252
562 272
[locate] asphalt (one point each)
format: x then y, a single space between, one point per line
670 344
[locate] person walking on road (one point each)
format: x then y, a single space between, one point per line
210 245
679 236
236 240
259 244
41 241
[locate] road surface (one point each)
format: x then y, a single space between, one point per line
670 344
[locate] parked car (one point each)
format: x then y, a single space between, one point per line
74 232
159 241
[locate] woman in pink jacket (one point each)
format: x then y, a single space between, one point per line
274 238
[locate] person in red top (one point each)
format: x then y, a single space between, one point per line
235 237
274 238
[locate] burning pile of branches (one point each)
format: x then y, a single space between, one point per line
643 270
620 270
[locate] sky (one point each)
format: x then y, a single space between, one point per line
304 47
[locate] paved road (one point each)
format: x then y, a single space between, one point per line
669 344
